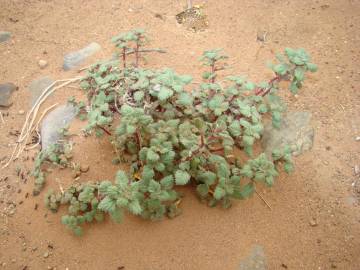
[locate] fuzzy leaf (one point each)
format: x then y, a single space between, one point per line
181 177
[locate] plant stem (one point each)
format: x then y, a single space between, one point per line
137 54
105 130
213 70
124 57
263 92
131 51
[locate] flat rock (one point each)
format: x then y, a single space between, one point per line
6 90
73 59
37 87
295 131
255 261
4 36
53 122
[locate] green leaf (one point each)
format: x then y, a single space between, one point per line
311 67
219 193
280 69
288 167
121 179
107 205
152 156
202 189
165 93
185 99
154 186
138 96
235 128
167 182
299 74
182 177
208 177
247 190
117 215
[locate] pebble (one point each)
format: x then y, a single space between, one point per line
46 254
42 64
75 174
21 112
357 169
84 168
313 222
357 138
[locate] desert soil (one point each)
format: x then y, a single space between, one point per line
314 218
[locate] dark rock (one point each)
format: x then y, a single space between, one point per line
6 91
295 131
4 36
73 59
53 122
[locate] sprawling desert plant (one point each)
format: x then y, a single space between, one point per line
173 133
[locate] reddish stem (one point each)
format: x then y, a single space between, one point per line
137 54
138 138
263 92
213 70
105 130
124 57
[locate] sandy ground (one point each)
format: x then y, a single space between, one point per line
314 221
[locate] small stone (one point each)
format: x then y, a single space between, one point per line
357 169
73 59
21 112
261 35
13 260
357 138
4 36
256 260
46 254
42 64
313 222
84 168
6 90
75 174
295 130
53 122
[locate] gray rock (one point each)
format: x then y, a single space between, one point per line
4 36
255 261
73 59
37 87
53 122
295 131
6 91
